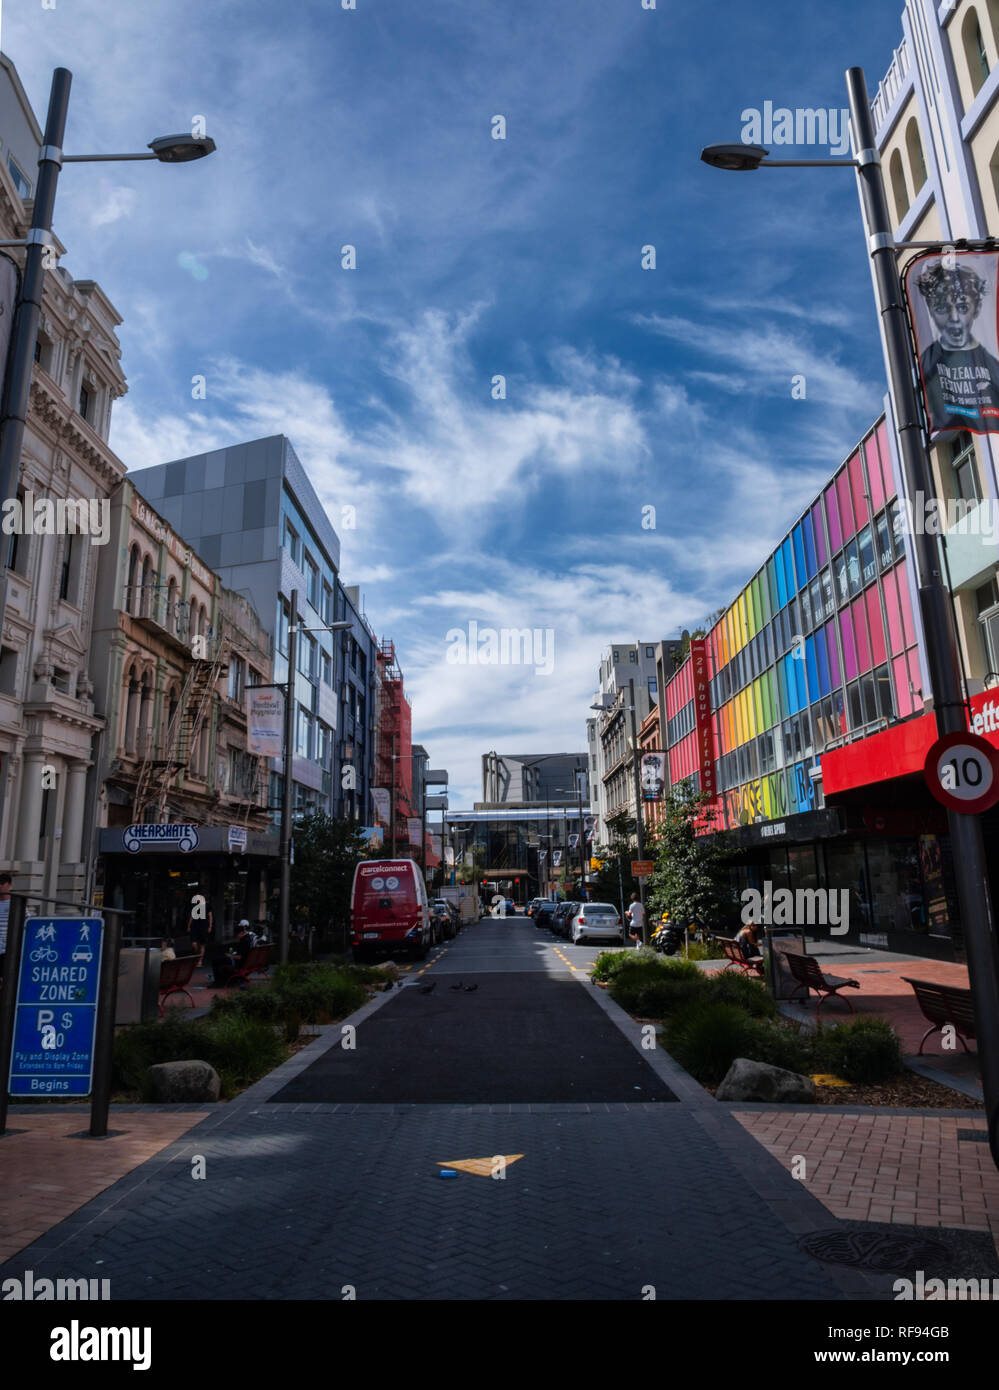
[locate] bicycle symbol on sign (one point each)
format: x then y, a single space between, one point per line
44 953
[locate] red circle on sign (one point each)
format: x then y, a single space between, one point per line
968 806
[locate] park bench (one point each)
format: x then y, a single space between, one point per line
257 961
174 976
944 1006
734 956
807 972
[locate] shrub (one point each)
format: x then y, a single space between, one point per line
611 963
310 993
704 950
657 998
780 1044
706 1037
630 983
240 1049
864 1051
727 987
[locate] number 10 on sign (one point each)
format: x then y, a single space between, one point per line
962 772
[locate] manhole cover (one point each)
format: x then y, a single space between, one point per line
873 1250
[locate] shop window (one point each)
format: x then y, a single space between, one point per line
865 545
855 706
840 567
882 682
885 551
853 568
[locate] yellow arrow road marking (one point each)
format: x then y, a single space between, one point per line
481 1167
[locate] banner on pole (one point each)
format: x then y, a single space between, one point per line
951 297
653 779
265 722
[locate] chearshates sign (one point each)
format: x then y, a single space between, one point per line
138 837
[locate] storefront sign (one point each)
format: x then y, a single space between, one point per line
952 304
702 716
182 837
55 1017
265 722
237 839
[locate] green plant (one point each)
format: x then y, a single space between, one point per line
704 950
706 1037
863 1051
658 998
611 963
727 987
675 979
240 1049
780 1044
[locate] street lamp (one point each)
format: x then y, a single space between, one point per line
168 149
287 795
970 867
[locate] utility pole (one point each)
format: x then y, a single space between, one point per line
582 836
288 797
639 818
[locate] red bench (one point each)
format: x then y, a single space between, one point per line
944 1006
174 975
734 956
806 971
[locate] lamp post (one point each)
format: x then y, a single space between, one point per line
970 867
39 249
287 796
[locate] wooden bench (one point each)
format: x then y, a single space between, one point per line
258 959
734 956
174 975
806 971
944 1006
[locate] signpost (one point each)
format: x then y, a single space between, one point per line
642 868
55 1019
962 772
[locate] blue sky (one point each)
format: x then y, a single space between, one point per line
626 388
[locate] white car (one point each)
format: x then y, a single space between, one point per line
596 922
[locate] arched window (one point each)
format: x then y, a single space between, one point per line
173 700
974 50
992 6
131 588
914 147
145 714
897 175
145 603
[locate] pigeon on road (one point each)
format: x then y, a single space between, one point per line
425 989
457 986
469 988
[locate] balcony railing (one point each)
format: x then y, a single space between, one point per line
890 85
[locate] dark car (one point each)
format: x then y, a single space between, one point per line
544 912
531 907
563 915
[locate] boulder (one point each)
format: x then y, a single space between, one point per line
746 1080
173 1083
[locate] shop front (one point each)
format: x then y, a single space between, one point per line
157 871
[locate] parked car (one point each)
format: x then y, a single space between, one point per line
442 910
560 922
511 907
532 906
595 922
544 912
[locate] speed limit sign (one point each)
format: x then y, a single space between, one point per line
962 771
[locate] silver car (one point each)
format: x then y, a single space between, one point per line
595 922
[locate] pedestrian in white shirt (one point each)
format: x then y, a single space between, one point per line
636 919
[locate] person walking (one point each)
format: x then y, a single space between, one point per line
636 920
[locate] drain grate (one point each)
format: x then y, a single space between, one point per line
872 1250
973 1136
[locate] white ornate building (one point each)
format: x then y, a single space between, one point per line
48 723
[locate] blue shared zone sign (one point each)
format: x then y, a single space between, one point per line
56 1012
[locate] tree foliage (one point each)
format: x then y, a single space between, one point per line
690 880
326 851
618 851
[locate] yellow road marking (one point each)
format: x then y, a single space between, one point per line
481 1167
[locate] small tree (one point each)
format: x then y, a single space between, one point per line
326 851
690 880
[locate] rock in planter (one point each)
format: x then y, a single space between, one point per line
746 1080
172 1083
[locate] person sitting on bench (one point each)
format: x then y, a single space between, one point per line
748 939
224 964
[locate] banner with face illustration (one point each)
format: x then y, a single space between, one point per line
951 297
